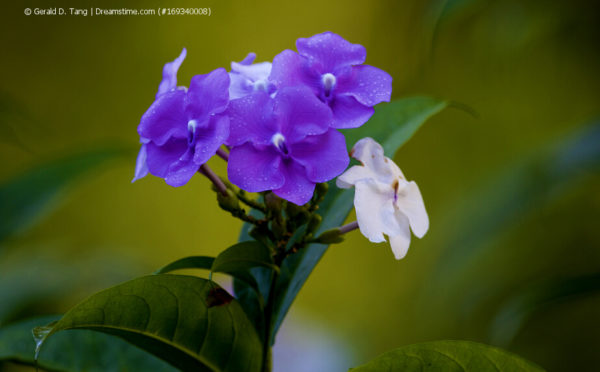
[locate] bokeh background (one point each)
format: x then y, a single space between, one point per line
509 174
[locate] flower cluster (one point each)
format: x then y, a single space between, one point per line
280 120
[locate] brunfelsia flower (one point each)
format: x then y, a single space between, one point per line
183 128
333 68
247 78
284 144
385 202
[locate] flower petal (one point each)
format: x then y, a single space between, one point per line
410 203
255 169
348 112
169 80
251 119
400 241
141 168
209 139
368 84
350 177
297 188
239 86
370 202
208 94
160 158
165 118
370 154
300 113
330 51
254 72
247 60
181 171
324 156
291 69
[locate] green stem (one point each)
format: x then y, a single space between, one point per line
251 203
269 308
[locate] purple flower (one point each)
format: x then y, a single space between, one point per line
284 144
247 78
183 128
333 68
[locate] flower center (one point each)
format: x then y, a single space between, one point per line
328 81
279 141
192 124
260 85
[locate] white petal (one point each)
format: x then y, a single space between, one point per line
254 72
370 202
370 154
400 241
353 175
410 202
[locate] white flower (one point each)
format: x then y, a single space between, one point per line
385 202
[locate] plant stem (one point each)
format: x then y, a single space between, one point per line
205 170
267 358
222 154
251 203
348 227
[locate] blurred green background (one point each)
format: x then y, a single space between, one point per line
509 175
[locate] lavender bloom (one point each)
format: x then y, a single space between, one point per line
183 128
284 144
333 68
247 78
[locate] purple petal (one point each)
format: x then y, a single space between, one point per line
291 69
165 118
251 119
239 86
297 188
181 171
169 80
328 51
141 168
247 60
210 138
349 113
324 156
160 158
301 113
254 169
208 94
368 84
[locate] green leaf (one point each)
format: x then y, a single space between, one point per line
448 356
520 308
236 261
189 322
192 262
27 197
392 125
243 256
75 351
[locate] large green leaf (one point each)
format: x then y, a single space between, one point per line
392 125
75 351
236 261
27 197
189 322
448 356
191 262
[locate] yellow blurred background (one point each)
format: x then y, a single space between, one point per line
528 70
